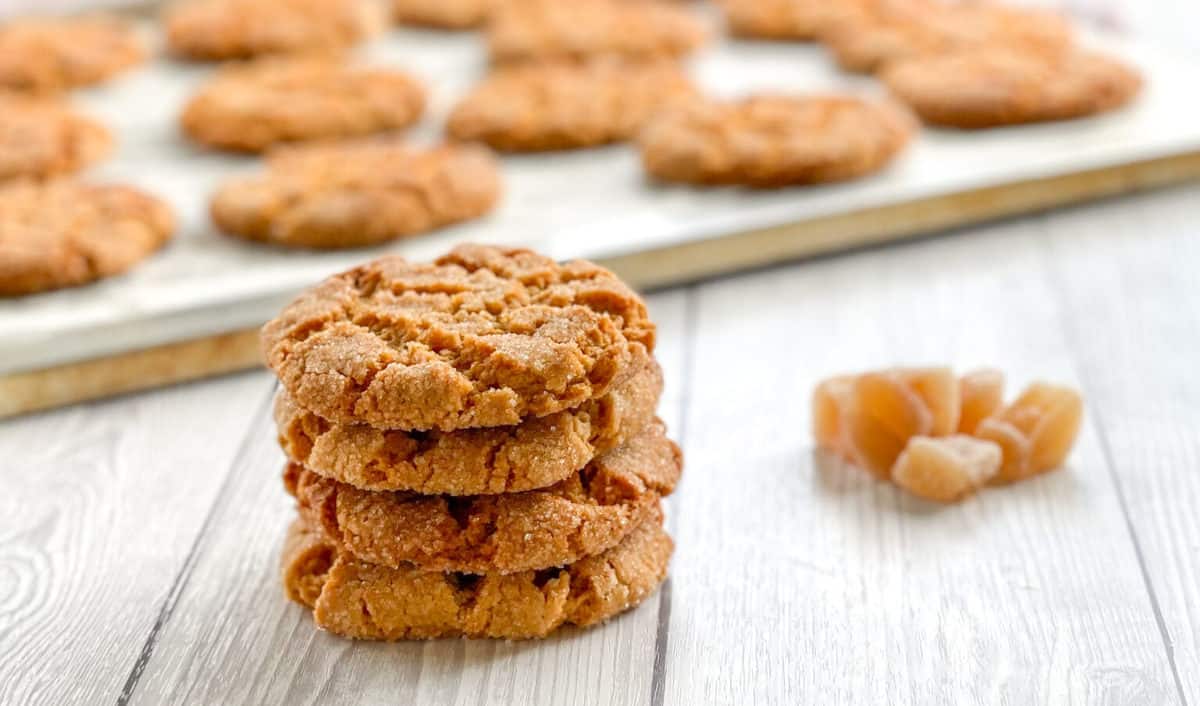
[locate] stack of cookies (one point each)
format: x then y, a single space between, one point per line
472 445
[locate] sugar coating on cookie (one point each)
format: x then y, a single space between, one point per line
483 336
875 34
999 85
585 514
240 29
46 55
43 137
356 599
533 454
254 106
442 14
537 30
62 233
358 193
770 141
559 105
778 19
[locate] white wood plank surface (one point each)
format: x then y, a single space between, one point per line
99 508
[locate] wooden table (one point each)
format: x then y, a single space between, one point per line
139 537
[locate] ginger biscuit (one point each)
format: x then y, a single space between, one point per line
880 33
442 14
534 454
357 193
62 233
771 141
216 30
538 30
561 105
993 86
356 599
46 55
252 107
583 515
483 336
43 137
779 19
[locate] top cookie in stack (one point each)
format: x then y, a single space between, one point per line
479 429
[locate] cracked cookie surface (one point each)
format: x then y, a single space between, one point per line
62 233
251 107
564 105
358 193
41 137
768 141
534 454
484 336
538 30
583 515
213 30
355 599
45 55
996 86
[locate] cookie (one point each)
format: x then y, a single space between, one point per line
359 193
62 233
777 19
534 454
992 86
366 601
538 30
484 336
45 55
770 141
585 514
882 32
215 30
560 105
41 137
442 14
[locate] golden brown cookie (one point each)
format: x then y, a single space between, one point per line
561 105
882 32
214 30
484 336
537 30
355 599
42 137
987 87
585 514
442 14
358 193
46 54
779 19
62 233
534 454
769 141
251 107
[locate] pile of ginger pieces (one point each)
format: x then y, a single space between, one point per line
942 437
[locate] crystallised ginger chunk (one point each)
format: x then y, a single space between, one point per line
829 402
939 390
1035 432
882 414
946 469
982 395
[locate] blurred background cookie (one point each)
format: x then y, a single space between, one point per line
239 29
564 105
41 137
357 193
50 54
251 107
778 19
442 14
772 140
63 233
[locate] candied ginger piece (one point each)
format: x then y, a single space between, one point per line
829 403
1036 432
982 394
882 414
945 469
938 389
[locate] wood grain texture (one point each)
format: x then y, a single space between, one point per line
232 638
798 575
100 506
